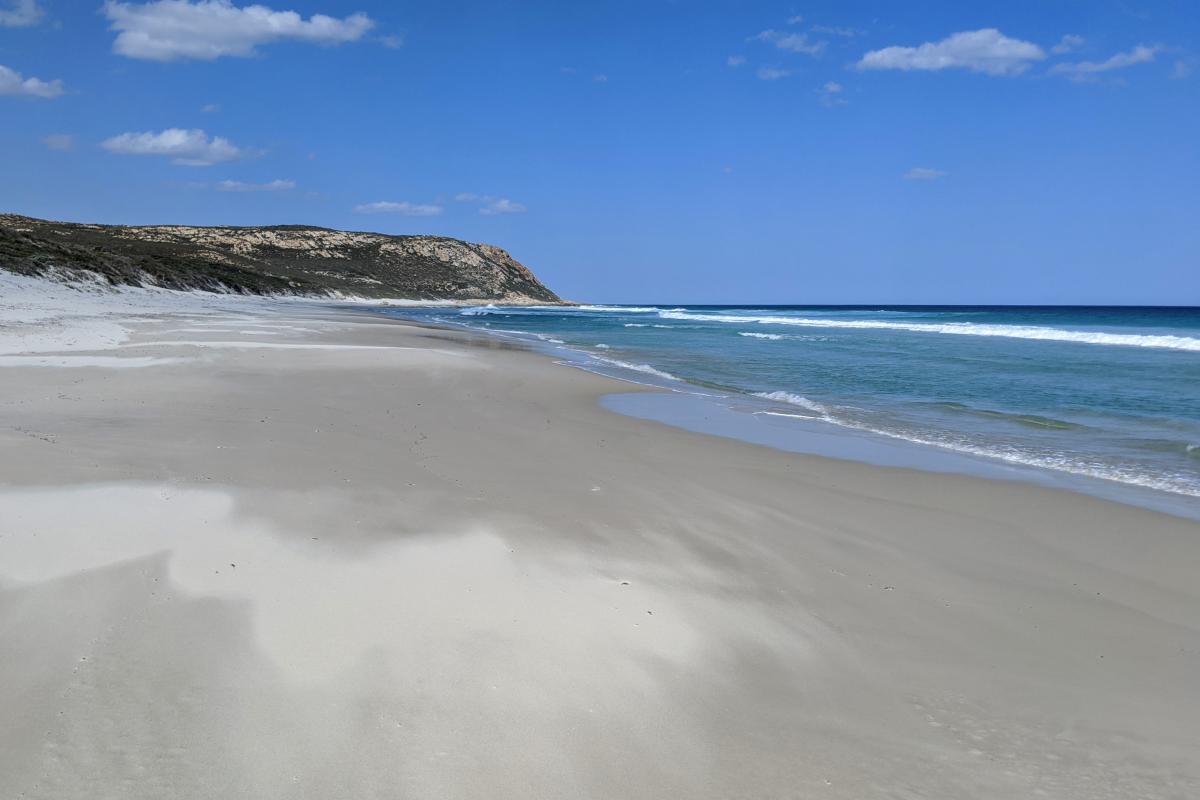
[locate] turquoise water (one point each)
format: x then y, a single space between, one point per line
1108 393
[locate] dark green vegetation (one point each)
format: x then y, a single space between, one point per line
282 259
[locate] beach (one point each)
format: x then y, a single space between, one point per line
272 549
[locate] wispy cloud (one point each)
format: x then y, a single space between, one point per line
1067 43
795 20
987 51
192 148
834 30
211 108
14 84
735 61
20 13
59 141
771 73
791 42
1181 69
923 174
204 30
502 205
1085 70
491 205
831 95
271 186
392 42
403 208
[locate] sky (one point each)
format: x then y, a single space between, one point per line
665 151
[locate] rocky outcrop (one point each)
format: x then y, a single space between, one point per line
282 259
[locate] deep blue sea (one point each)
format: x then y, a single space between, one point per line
1112 394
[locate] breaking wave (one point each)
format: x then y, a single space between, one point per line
643 368
1164 341
795 400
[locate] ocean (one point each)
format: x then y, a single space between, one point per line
1108 394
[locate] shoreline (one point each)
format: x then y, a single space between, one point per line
290 551
694 407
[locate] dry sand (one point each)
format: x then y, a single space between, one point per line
281 552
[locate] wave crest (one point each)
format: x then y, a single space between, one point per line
643 368
795 400
1163 341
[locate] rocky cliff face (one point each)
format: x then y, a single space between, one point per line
287 259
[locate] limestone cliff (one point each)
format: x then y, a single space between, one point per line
284 259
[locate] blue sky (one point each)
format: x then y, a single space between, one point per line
1003 152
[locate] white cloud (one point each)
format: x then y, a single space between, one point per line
59 141
923 174
830 95
735 61
1067 43
502 205
771 73
987 51
20 13
392 42
211 108
14 84
271 186
792 42
191 148
796 20
601 78
490 204
1086 69
1181 69
403 208
170 30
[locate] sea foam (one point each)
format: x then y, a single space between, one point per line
615 309
795 400
1165 341
643 368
